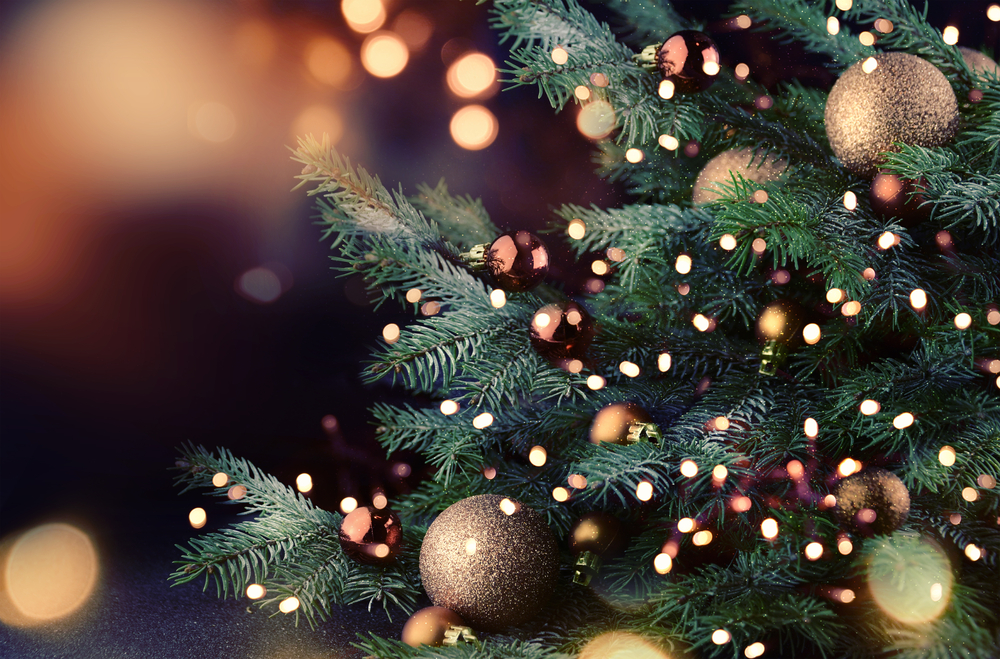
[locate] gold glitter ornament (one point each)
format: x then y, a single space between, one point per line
735 161
977 62
491 560
904 99
874 500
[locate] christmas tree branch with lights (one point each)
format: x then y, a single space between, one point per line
773 430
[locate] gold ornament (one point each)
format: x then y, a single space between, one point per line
872 499
491 560
902 99
735 161
622 423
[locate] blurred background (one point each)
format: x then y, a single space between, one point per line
160 283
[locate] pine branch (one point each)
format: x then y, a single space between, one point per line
463 221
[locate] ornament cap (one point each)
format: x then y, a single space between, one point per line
457 634
475 258
586 566
647 57
771 356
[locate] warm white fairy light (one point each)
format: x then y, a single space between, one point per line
754 650
918 298
629 369
848 466
866 38
741 504
834 295
197 517
538 455
847 596
845 546
683 264
666 89
852 308
832 25
814 551
947 455
721 637
986 481
868 274
950 35
970 494
758 245
634 155
390 333
850 200
600 268
448 407
769 528
811 428
663 362
904 420
581 92
721 423
685 525
993 13
869 407
304 483
869 65
844 5
596 382
973 553
727 242
701 323
701 538
559 55
348 505
644 491
498 298
560 494
255 591
663 563
576 229
811 333
288 604
955 519
711 68
719 473
668 142
689 468
413 295
887 240
220 479
484 420
760 196
508 507
963 320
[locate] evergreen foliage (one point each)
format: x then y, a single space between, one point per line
911 360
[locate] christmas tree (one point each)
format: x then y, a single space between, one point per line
770 428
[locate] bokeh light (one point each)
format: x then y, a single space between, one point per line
811 428
701 538
850 200
621 645
970 494
832 25
236 492
866 38
973 553
629 369
685 525
414 28
814 551
666 89
663 563
644 491
634 155
742 71
845 546
538 455
663 362
596 382
668 142
220 479
384 54
508 507
328 61
471 75
811 333
741 504
577 481
255 591
449 407
288 604
47 573
304 483
474 127
559 55
993 13
869 407
769 528
560 494
320 120
689 468
721 637
348 505
683 264
918 298
363 16
946 456
852 308
576 229
950 35
596 120
484 420
963 321
904 420
905 574
848 466
719 473
844 5
390 333
869 65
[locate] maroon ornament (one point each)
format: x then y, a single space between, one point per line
682 58
561 331
517 261
371 536
892 196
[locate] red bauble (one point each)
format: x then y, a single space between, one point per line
892 196
517 261
371 536
562 331
682 59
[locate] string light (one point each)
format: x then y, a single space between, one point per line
288 604
197 517
577 481
255 591
348 505
845 546
887 240
963 320
811 333
845 5
848 466
993 13
629 369
701 323
742 71
727 242
946 456
866 38
662 563
448 407
689 468
814 551
973 553
666 89
634 155
769 528
850 200
970 494
811 428
918 299
668 142
721 423
852 308
596 382
758 245
560 494
663 362
701 538
869 65
559 55
498 298
741 504
870 407
683 264
721 637
834 295
483 420
904 420
538 455
576 229
685 525
581 92
390 333
832 25
950 35
644 491
754 650
719 473
220 479
304 483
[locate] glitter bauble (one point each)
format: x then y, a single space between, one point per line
597 532
904 99
613 423
371 536
561 332
491 560
428 626
780 321
517 261
690 60
872 499
977 62
719 170
892 196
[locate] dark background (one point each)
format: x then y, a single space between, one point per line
122 333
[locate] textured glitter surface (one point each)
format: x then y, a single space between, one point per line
719 168
978 62
905 99
878 490
493 569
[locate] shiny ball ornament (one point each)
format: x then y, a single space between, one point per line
892 196
491 560
371 536
682 60
872 499
903 99
428 626
517 261
719 170
780 321
561 331
977 62
613 423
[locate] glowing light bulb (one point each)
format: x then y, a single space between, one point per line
634 155
727 242
918 298
721 423
559 55
471 74
498 298
869 407
683 264
576 229
668 142
811 428
473 127
662 563
644 491
577 481
852 308
993 13
701 538
710 68
844 5
850 200
596 382
741 504
629 369
721 637
348 505
483 420
970 494
754 650
304 483
197 517
847 596
508 507
390 333
701 323
288 604
689 468
814 551
663 362
869 65
848 466
384 54
946 456
413 295
760 196
963 320
538 455
950 35
904 420
769 528
220 479
832 25
867 39
743 21
685 525
255 591
719 473
811 333
449 407
845 546
834 295
759 245
742 71
887 240
560 494
883 25
973 553
666 89
581 92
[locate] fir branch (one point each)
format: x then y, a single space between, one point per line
649 21
462 220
